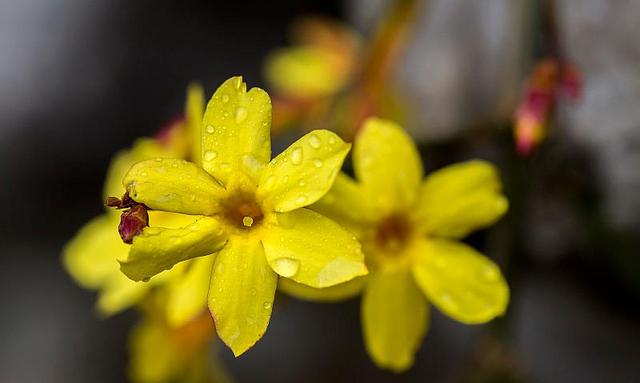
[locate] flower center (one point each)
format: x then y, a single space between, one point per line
392 233
242 211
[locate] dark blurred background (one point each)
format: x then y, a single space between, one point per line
80 80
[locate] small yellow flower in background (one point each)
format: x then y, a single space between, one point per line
161 353
252 210
90 257
304 76
410 231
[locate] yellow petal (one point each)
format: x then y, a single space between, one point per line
187 294
346 203
337 293
119 293
143 149
90 257
461 282
303 72
310 248
153 356
304 172
394 318
459 199
241 294
194 111
236 123
174 185
157 249
388 164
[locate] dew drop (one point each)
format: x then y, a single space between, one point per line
241 114
332 140
269 183
210 129
314 141
267 305
447 300
210 155
301 200
296 156
237 83
317 163
144 174
490 274
301 183
225 167
225 98
287 267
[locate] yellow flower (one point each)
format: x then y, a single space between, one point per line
160 353
90 257
253 213
320 62
410 229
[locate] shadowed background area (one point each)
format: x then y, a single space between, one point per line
81 80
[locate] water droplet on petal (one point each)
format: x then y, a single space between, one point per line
314 141
269 183
317 163
210 129
237 83
287 267
210 155
332 140
225 167
267 305
301 200
490 274
301 183
241 114
296 156
247 221
144 174
225 98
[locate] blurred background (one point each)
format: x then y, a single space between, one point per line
80 80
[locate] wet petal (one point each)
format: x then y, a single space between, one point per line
236 123
158 249
187 294
394 318
304 172
459 199
90 257
174 185
312 249
388 164
336 293
143 149
241 294
461 282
